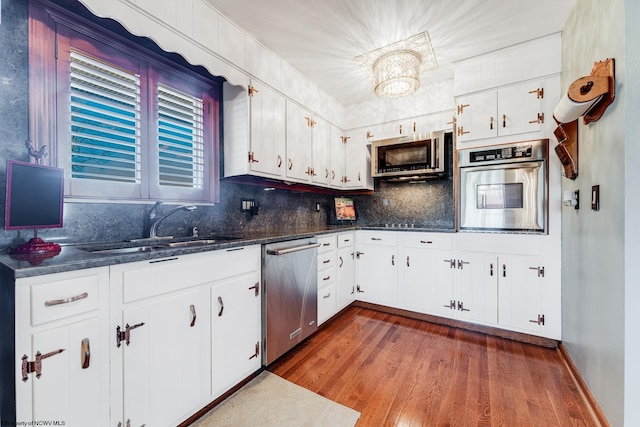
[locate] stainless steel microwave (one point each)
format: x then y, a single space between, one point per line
408 156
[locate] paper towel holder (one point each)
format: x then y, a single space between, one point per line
599 84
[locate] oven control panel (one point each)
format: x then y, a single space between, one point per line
504 153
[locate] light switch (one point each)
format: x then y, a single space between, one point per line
595 197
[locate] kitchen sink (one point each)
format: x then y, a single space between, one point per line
123 250
149 245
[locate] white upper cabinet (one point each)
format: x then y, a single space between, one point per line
338 159
357 162
299 134
321 155
254 131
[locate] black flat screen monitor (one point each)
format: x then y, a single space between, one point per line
35 196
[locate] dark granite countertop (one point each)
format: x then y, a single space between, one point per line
73 257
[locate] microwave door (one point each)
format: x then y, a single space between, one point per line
505 197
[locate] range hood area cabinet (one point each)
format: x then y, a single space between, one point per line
269 136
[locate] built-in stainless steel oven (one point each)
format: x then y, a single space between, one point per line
504 187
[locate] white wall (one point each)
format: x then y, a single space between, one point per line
593 242
632 215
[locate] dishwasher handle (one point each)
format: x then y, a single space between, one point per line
294 249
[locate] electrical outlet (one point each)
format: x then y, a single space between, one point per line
385 202
247 204
317 207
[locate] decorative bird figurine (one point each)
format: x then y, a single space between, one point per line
39 154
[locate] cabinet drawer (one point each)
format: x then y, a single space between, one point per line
427 240
147 279
385 238
326 277
326 260
346 239
327 243
327 303
68 297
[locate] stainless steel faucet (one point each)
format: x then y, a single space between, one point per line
153 230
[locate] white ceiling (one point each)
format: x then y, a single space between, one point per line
320 38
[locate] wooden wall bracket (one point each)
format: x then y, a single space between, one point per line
601 83
567 148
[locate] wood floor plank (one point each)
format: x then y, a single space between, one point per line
404 372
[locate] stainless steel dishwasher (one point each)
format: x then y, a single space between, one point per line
289 305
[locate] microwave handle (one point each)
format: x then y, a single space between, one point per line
434 147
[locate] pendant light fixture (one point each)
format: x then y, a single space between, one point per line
395 69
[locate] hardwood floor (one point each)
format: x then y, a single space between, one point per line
403 372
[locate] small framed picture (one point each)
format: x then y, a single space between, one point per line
345 209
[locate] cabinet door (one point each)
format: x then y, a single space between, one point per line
520 109
321 156
267 132
476 288
69 389
164 358
520 292
377 274
427 282
298 162
346 276
235 331
338 158
477 116
357 163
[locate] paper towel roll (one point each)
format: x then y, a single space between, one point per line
569 110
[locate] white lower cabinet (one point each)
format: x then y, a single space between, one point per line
235 330
521 280
185 329
377 267
62 359
496 280
474 296
346 266
163 363
327 298
426 279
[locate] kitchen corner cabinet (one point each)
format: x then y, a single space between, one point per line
254 131
357 156
377 267
426 279
62 371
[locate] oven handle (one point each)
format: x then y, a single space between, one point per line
502 164
294 249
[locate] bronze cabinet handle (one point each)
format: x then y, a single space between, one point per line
193 315
221 306
66 300
85 353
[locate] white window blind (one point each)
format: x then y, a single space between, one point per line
105 121
180 129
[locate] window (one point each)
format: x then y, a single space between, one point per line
129 124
